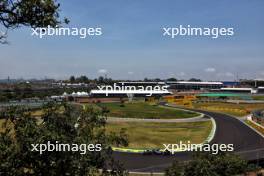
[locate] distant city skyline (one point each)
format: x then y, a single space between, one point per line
132 45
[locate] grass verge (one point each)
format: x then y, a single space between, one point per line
145 110
154 135
258 128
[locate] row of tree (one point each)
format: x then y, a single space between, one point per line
105 80
85 79
206 164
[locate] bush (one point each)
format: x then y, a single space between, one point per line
206 164
17 157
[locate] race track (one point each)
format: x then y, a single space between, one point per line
247 143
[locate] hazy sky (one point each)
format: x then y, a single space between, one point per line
132 45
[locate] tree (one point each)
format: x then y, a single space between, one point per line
171 79
223 164
146 80
33 13
175 170
195 80
101 80
82 79
65 124
157 80
72 79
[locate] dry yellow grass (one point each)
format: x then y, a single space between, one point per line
240 110
154 135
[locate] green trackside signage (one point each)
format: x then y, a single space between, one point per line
223 95
219 95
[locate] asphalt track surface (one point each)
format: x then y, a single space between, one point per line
229 130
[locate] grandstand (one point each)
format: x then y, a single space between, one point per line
190 85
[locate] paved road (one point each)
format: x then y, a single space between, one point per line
120 119
198 118
230 130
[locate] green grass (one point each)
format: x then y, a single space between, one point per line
153 135
259 129
145 111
